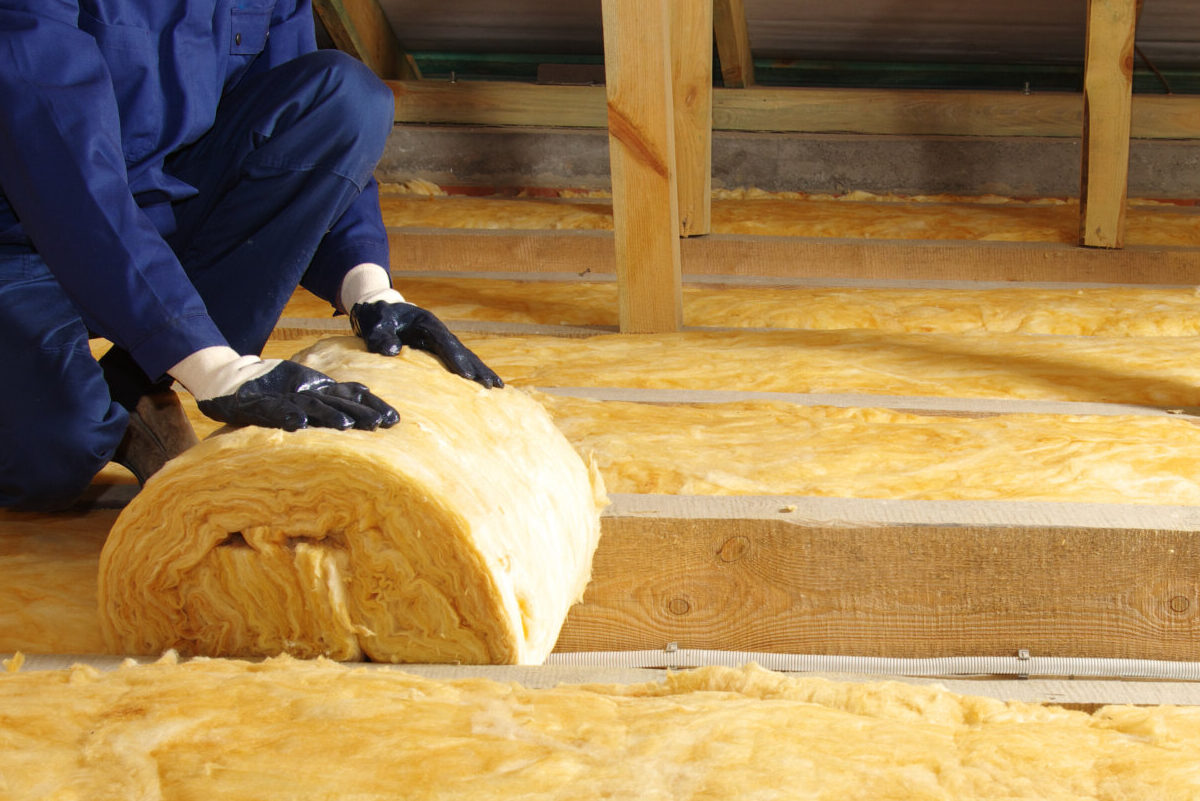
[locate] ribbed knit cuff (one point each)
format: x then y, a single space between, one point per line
217 371
367 283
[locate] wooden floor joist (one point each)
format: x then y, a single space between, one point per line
587 252
894 578
785 574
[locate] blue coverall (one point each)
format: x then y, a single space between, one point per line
169 172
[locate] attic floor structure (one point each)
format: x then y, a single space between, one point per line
875 467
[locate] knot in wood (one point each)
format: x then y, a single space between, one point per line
734 549
679 606
1179 603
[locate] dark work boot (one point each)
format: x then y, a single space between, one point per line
158 431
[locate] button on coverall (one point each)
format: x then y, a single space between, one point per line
170 171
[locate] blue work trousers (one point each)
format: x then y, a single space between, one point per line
288 153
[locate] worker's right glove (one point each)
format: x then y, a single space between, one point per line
274 393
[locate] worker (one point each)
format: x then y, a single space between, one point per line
169 173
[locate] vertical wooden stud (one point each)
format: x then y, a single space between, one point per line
691 60
1107 99
733 43
641 142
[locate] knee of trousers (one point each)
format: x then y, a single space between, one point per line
56 459
353 109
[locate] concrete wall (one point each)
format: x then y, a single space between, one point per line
513 157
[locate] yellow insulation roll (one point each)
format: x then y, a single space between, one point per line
462 534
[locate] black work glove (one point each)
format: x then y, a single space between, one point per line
293 396
386 327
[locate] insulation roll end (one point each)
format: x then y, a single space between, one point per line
462 534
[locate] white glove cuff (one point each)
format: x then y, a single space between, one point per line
367 283
213 372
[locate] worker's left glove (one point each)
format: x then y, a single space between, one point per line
386 327
380 315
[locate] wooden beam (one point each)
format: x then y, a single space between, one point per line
641 136
691 72
797 109
1107 108
583 252
360 28
909 112
733 43
781 574
499 103
902 579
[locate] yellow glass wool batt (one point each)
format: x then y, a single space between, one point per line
462 534
218 729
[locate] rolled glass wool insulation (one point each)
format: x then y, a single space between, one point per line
461 534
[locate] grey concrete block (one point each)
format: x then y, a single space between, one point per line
578 158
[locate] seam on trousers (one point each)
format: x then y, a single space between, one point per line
314 168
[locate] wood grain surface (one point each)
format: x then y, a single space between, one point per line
641 146
895 590
359 27
691 81
812 110
1107 100
733 43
